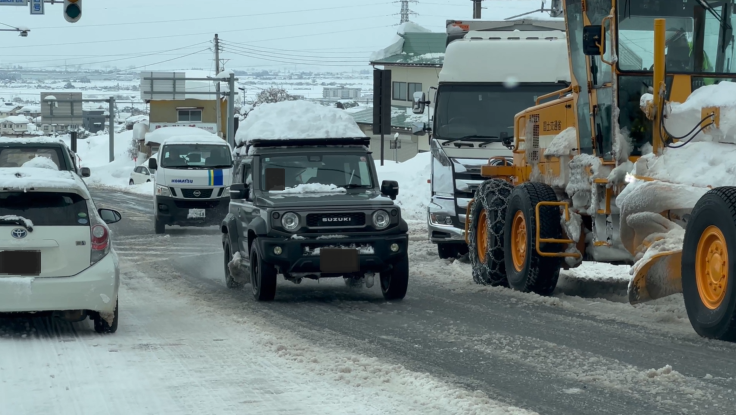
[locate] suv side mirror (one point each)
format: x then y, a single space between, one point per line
390 188
594 40
239 191
152 164
420 103
86 172
109 215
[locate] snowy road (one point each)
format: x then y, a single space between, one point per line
187 344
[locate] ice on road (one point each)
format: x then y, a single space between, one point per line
175 354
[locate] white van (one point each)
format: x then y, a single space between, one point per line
192 181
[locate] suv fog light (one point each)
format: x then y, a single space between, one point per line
277 250
395 247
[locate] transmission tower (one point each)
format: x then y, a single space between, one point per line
405 11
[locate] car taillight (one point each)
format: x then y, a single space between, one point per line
100 243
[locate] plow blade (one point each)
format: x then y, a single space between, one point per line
656 277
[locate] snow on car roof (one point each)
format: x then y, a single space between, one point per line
296 120
26 178
160 135
31 140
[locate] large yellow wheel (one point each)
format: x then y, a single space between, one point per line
526 270
708 261
518 241
711 267
481 236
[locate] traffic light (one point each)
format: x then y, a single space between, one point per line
72 10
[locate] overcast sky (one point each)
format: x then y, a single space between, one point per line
307 35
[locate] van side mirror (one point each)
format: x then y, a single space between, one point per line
390 188
152 164
86 172
419 128
420 103
594 40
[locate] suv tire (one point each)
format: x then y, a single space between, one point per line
229 280
102 326
395 281
263 277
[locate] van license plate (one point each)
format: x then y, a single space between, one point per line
196 214
336 261
25 263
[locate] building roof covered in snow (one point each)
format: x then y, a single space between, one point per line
413 46
15 119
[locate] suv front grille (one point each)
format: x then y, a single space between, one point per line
192 193
319 220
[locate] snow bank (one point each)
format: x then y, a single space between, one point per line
414 191
296 119
310 188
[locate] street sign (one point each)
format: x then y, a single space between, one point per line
13 2
37 7
61 110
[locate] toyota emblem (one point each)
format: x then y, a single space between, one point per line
19 233
197 193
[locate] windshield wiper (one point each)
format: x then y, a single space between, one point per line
473 138
223 166
356 186
16 220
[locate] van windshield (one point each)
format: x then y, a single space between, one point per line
196 156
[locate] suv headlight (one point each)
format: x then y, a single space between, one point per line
290 221
381 219
162 191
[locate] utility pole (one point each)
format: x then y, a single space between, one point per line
476 9
217 84
405 11
112 129
230 110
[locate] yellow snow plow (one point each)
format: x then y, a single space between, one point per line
633 163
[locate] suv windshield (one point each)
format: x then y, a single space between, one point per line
342 170
18 156
196 156
483 110
44 209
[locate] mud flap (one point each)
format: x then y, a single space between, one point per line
656 277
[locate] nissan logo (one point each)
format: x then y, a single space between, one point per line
335 219
19 233
197 193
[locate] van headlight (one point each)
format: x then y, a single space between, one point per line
290 221
162 191
381 219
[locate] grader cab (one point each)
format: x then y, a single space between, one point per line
600 168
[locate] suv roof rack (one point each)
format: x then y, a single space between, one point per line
346 141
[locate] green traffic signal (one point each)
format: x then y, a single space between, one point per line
73 11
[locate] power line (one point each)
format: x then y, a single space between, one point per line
306 57
210 18
293 62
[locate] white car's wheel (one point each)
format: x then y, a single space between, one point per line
102 326
131 182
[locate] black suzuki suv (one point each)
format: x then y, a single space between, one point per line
312 208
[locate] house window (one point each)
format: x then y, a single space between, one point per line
399 91
414 87
190 115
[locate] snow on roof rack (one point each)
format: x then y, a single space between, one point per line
295 142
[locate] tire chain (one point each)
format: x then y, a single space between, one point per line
493 195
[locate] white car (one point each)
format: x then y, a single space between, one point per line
141 174
56 252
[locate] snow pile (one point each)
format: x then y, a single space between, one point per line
30 177
697 164
396 47
158 135
414 191
683 117
310 188
296 119
563 143
41 163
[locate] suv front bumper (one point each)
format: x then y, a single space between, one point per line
175 211
295 259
